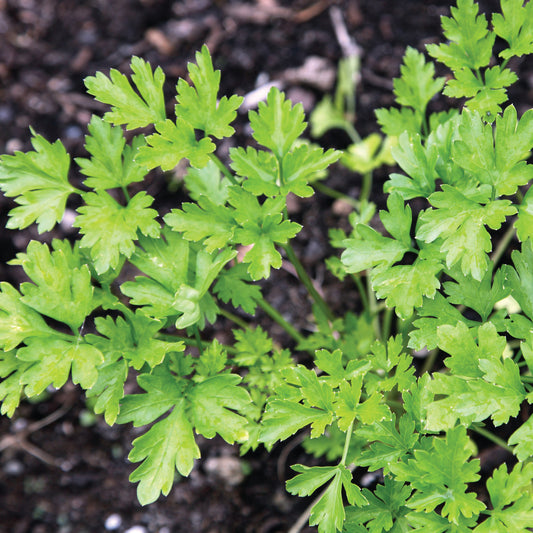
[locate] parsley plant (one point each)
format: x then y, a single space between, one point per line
440 284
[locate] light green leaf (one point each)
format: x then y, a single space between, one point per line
199 106
135 110
168 445
172 143
277 123
39 182
61 286
111 164
110 229
52 361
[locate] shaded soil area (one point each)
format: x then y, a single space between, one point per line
61 469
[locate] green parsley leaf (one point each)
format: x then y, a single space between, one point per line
328 513
515 25
168 445
39 182
470 39
512 505
461 222
385 509
172 143
481 296
417 84
61 286
18 321
52 360
109 228
277 123
418 162
204 221
206 182
404 286
134 110
199 106
440 475
497 159
234 284
111 164
11 389
109 389
390 444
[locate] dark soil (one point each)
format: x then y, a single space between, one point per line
71 475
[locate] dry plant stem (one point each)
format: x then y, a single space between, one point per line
19 439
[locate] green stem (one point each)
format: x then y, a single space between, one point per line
366 188
347 440
198 340
126 193
276 316
332 193
234 318
526 379
362 293
306 280
503 244
430 361
490 436
222 167
387 318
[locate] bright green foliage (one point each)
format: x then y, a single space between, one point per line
385 510
436 347
439 475
199 105
112 160
61 286
328 512
39 183
109 229
514 25
511 498
134 110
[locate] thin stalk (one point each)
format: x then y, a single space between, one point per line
429 362
526 379
306 280
366 188
490 436
347 440
362 293
126 193
222 167
332 193
385 330
503 244
198 340
234 318
276 316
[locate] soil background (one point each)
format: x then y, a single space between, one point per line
61 469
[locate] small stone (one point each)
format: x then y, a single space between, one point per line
137 529
13 468
113 521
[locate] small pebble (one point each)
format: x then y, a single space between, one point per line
13 468
113 521
137 529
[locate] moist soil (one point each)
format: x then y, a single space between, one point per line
64 470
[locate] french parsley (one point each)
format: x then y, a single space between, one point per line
134 293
